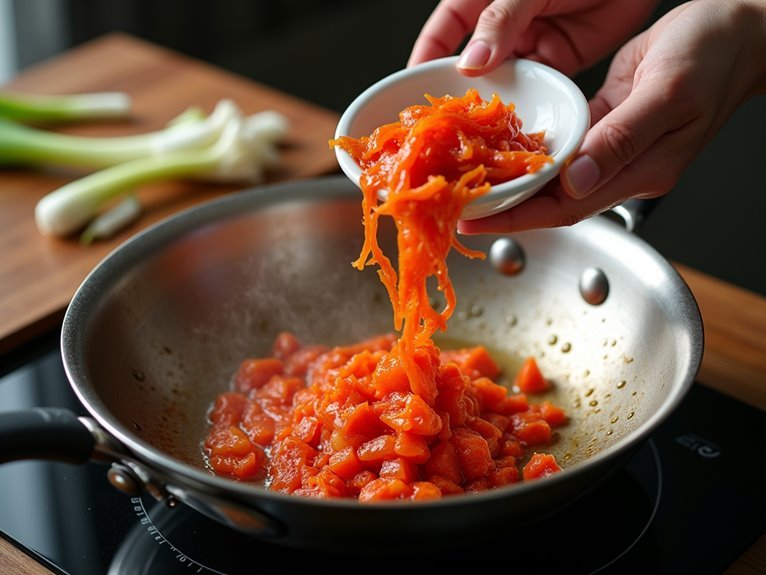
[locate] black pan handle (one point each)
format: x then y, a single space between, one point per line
44 433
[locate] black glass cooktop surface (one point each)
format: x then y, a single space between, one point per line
690 501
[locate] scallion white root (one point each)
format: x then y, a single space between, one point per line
108 223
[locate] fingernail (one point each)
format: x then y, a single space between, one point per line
582 174
475 56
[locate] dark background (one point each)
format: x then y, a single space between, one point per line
328 51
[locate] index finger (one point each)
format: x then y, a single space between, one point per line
449 24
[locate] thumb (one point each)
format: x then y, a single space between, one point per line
622 135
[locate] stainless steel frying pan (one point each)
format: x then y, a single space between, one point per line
158 328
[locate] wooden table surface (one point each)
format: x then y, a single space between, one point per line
39 275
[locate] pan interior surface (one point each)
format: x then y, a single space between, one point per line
159 328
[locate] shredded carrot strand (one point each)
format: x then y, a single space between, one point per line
431 163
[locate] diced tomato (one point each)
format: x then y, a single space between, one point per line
477 485
288 463
511 404
408 412
484 428
478 363
444 463
531 431
360 424
323 485
499 421
228 440
378 449
281 388
412 447
503 476
425 490
254 373
489 393
307 430
553 414
400 468
446 486
472 452
510 446
529 379
347 422
258 425
285 345
384 489
356 483
451 398
360 365
228 408
245 467
540 465
298 363
390 377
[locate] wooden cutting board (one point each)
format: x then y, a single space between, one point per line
39 275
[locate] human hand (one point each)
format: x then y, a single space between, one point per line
667 93
566 34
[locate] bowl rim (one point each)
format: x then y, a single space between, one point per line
515 190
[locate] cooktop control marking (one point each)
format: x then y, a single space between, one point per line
156 534
700 446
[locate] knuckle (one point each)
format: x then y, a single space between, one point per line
569 219
495 16
621 142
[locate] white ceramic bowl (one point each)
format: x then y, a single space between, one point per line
545 99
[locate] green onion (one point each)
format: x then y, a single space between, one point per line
243 150
25 145
63 108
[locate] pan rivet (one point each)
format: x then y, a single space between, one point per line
594 287
123 479
507 256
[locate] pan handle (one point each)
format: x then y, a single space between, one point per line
44 433
632 213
